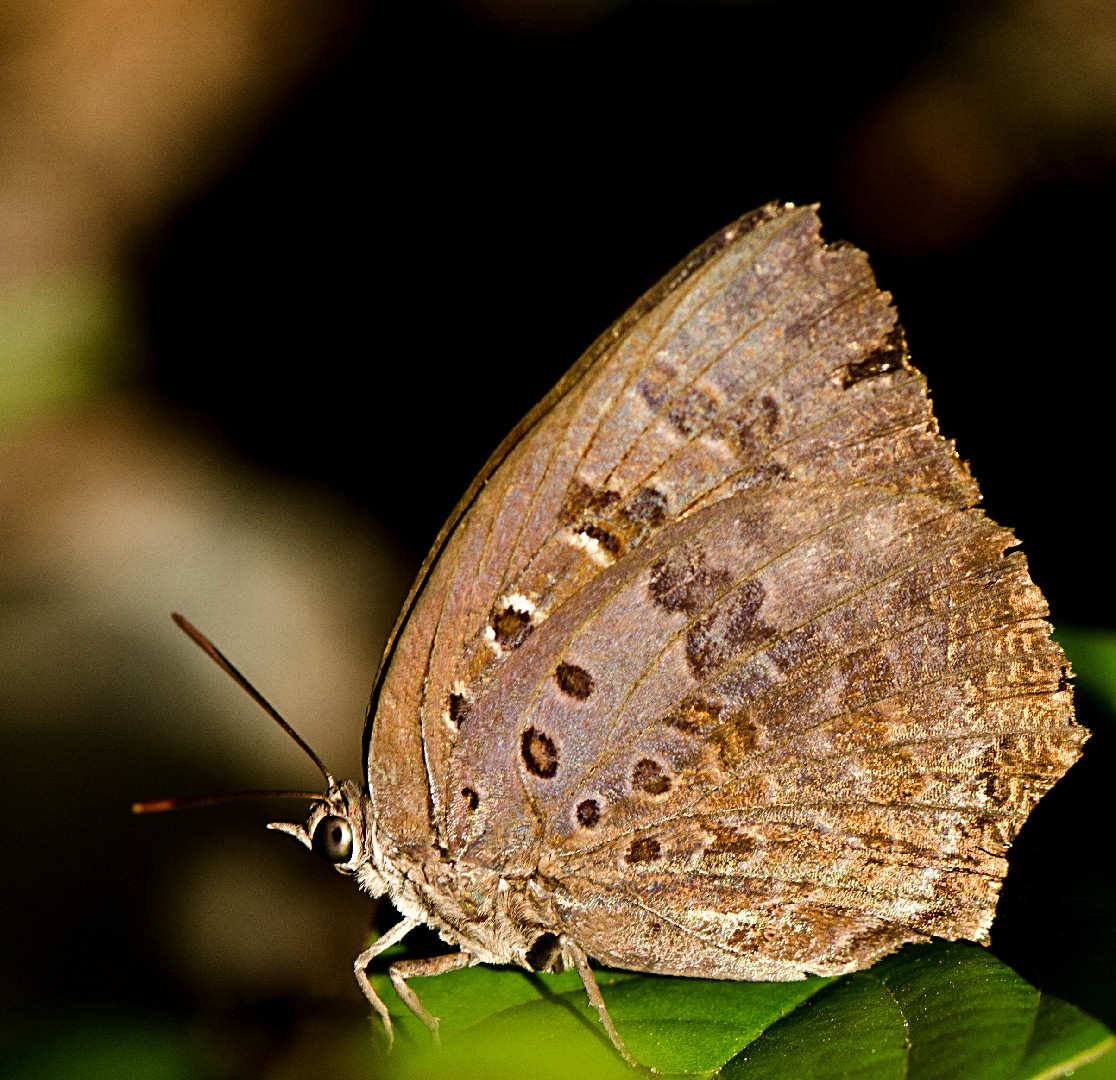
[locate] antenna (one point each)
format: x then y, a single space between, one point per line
155 806
223 662
186 802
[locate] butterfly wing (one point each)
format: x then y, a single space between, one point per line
536 524
817 718
721 649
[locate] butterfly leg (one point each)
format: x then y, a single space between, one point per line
399 931
435 965
581 962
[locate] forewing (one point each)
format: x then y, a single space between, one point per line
695 391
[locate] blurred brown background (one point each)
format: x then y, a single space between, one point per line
277 275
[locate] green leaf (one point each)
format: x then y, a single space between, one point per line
931 1011
499 1022
928 1012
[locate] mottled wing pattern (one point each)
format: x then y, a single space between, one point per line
817 717
721 651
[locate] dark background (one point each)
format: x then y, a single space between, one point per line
428 228
445 219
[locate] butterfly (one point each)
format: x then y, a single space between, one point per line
715 670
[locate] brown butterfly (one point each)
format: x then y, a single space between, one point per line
715 670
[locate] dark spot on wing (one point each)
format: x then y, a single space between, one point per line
574 681
645 849
578 496
890 356
472 799
728 841
647 507
609 541
691 410
588 813
602 500
616 522
648 775
769 410
544 951
458 709
684 581
511 626
727 631
540 755
582 508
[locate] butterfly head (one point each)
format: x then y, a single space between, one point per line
338 829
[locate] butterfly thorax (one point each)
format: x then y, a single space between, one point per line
493 918
496 919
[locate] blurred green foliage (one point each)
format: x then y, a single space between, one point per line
62 342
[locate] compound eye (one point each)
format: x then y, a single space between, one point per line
333 839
